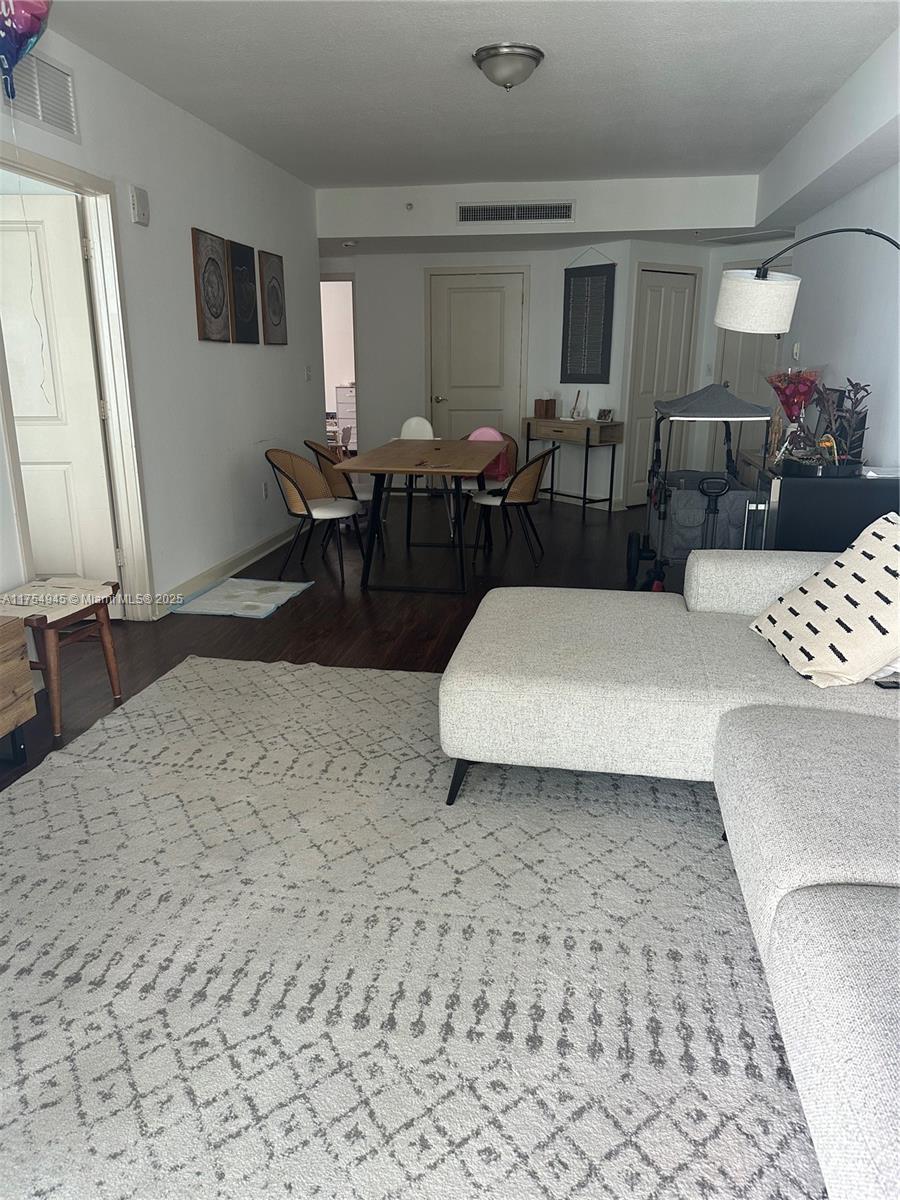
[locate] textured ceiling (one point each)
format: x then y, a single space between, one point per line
371 93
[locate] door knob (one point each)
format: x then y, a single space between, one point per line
438 399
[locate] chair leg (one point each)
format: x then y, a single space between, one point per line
527 536
287 557
507 523
459 774
49 657
358 533
448 504
336 525
327 536
109 651
533 527
308 540
488 532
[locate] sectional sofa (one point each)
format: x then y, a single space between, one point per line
677 686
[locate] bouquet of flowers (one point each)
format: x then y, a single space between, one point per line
795 391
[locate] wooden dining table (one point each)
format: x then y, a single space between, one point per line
453 460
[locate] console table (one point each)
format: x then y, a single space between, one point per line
589 435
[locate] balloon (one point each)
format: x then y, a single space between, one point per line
21 24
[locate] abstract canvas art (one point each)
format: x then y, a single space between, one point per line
242 293
211 287
271 290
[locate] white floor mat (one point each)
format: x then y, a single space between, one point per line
242 598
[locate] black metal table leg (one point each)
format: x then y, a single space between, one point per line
460 539
409 500
553 472
612 473
584 483
373 531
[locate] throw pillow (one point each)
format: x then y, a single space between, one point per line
843 624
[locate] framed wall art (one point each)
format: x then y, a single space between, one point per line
587 323
272 302
211 287
242 293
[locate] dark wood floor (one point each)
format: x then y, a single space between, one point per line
347 628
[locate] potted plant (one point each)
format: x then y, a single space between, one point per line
843 427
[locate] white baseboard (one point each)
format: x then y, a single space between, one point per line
618 506
224 569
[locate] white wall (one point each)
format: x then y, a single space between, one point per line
846 317
601 205
391 334
337 336
205 412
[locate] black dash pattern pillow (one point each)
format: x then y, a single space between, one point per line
843 624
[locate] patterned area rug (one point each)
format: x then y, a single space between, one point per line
249 952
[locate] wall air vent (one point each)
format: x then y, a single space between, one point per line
543 210
45 96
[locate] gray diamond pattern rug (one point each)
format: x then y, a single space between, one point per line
247 951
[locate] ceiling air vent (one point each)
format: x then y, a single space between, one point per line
45 96
544 210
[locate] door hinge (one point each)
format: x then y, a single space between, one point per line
120 557
104 410
87 252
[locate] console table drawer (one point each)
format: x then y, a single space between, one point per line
602 433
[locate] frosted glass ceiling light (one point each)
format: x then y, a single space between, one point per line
508 63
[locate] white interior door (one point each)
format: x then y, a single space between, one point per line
476 352
661 365
55 400
743 360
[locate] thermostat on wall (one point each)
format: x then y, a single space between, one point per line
140 205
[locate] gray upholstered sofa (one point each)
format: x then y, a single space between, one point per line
628 682
660 684
811 810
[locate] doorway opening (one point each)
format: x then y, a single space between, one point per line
66 417
339 352
67 525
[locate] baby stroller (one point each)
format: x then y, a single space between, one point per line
690 510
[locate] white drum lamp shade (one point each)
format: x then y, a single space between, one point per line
750 305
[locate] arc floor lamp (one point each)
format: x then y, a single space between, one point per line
760 302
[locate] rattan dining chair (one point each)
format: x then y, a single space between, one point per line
519 494
342 485
308 497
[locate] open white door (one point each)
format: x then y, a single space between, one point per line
47 338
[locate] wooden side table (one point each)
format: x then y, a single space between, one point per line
16 693
585 433
60 611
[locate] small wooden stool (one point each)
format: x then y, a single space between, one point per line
59 611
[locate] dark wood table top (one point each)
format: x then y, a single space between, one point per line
407 457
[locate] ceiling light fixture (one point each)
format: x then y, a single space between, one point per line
508 63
